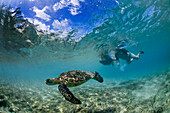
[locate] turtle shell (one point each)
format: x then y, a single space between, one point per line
75 77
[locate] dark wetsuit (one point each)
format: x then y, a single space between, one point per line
106 60
123 54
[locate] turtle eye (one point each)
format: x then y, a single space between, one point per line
48 81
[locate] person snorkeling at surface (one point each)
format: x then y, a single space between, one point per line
126 55
106 58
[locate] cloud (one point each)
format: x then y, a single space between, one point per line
64 34
63 24
58 6
74 11
41 26
57 25
75 2
117 2
74 6
41 13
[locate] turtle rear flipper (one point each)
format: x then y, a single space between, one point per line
67 94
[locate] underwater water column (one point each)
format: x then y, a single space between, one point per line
40 40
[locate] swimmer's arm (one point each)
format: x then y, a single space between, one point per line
113 58
128 53
117 59
117 62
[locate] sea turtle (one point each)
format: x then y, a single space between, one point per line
72 79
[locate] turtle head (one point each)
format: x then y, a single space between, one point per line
51 81
98 77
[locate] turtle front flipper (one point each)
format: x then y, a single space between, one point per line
65 92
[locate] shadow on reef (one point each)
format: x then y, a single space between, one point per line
146 95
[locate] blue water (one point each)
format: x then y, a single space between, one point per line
144 28
33 54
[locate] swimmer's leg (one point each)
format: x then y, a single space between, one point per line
138 55
133 56
129 61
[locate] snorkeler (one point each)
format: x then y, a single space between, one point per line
106 58
126 55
